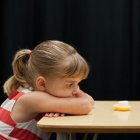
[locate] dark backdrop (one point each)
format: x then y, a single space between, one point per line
105 32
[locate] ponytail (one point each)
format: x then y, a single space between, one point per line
20 68
10 85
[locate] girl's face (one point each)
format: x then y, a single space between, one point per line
62 87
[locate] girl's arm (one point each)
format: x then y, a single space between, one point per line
38 102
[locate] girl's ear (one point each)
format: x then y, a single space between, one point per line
40 83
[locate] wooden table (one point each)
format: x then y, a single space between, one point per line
102 119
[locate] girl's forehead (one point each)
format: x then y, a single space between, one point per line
73 79
66 79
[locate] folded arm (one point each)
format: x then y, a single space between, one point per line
38 102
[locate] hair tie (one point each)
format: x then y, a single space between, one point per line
30 53
26 57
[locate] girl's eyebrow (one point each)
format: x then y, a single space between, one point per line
70 81
74 80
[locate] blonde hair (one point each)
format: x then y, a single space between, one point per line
49 58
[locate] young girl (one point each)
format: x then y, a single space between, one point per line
45 80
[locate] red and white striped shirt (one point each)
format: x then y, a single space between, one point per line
10 130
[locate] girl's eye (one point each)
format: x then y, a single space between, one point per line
70 84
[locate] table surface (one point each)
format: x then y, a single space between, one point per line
102 119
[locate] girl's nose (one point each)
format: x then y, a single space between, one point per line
76 89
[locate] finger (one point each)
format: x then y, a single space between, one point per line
51 114
62 115
46 115
56 114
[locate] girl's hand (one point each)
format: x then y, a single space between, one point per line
54 114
